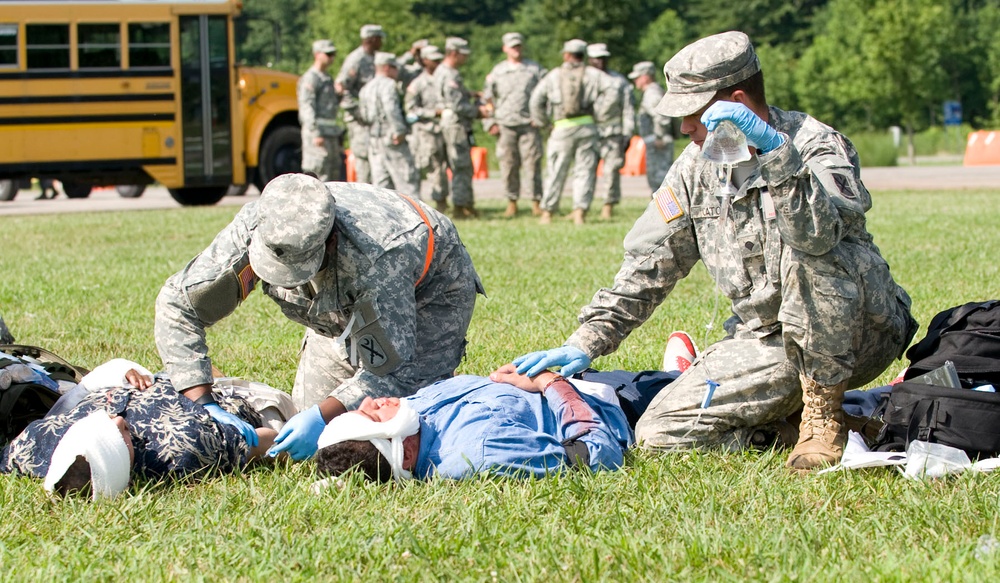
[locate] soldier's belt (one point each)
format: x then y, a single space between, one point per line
572 122
430 238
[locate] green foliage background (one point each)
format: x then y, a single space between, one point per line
856 64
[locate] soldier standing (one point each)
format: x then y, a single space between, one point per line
382 283
656 129
507 91
423 112
615 126
318 115
814 307
411 64
568 96
358 69
458 111
388 151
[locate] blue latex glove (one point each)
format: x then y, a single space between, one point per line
571 359
758 133
299 436
412 119
222 416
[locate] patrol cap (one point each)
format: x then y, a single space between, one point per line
370 30
431 53
642 68
454 43
513 39
419 44
324 45
575 46
385 59
704 67
598 51
295 216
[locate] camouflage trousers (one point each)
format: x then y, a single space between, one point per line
658 161
444 310
613 154
323 161
576 146
357 134
432 162
839 322
459 153
392 166
519 148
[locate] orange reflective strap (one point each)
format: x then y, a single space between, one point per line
430 238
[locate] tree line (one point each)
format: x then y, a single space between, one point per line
855 64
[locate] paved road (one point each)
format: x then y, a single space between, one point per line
892 178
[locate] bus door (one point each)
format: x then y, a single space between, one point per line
206 115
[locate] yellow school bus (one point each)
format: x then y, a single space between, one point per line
139 91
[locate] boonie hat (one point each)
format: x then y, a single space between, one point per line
704 67
370 30
454 43
295 215
598 51
431 53
385 59
575 46
324 45
642 68
513 39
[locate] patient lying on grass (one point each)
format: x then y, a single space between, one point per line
138 425
506 424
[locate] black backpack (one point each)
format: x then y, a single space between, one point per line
968 336
22 403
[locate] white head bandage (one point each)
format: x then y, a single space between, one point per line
386 436
98 439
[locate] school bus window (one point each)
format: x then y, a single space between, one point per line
8 45
98 46
48 46
149 45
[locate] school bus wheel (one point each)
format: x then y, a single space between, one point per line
198 195
76 189
8 189
130 190
280 153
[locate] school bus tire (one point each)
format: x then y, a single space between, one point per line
237 189
198 195
280 153
76 189
8 189
130 190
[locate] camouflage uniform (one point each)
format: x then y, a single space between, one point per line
392 164
426 141
407 332
810 291
652 127
358 69
458 113
573 141
519 145
5 336
615 126
318 118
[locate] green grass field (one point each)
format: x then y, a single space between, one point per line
84 285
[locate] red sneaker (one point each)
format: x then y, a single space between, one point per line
680 352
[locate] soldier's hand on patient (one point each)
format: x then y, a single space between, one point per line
758 133
300 435
225 417
137 380
571 359
508 374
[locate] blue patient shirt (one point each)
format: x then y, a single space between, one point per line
469 425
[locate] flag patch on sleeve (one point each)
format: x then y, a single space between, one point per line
666 202
248 279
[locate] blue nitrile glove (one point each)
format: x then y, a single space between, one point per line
571 359
758 133
412 119
222 416
299 436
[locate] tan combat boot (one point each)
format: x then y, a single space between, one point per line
441 206
511 211
546 218
464 212
536 208
578 216
822 433
606 211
